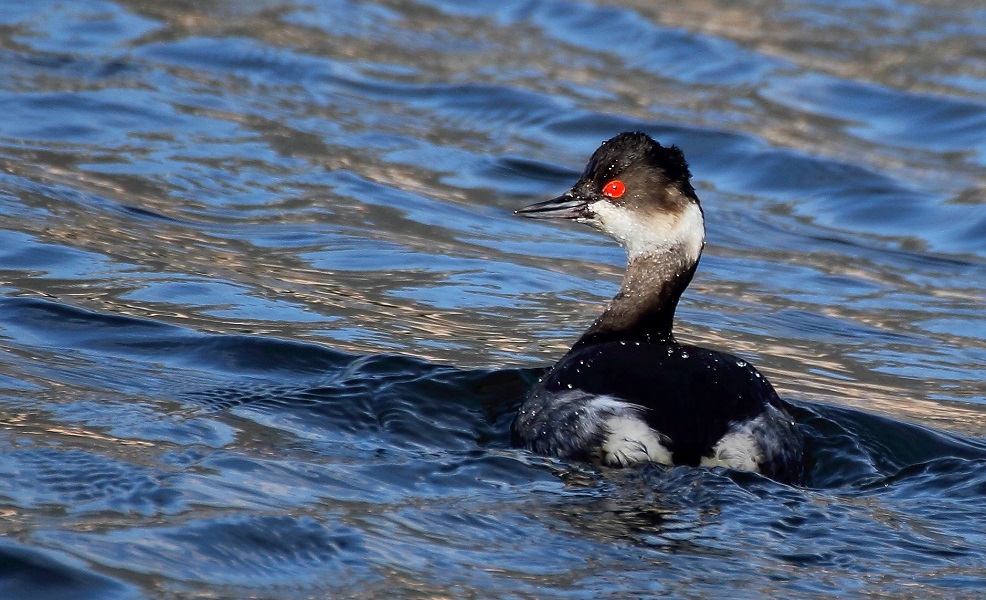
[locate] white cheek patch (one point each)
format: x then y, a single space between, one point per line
647 232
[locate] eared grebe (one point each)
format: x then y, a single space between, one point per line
627 391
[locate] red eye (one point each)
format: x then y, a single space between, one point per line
614 189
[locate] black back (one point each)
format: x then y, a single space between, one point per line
690 394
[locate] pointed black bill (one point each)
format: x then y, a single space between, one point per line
567 206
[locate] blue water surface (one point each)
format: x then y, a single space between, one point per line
265 311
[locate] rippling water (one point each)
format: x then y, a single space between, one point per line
265 311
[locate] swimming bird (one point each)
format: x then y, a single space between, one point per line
628 392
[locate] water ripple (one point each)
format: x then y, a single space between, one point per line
266 314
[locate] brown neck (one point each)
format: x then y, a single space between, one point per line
643 309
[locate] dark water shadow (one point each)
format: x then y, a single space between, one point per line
416 403
406 402
32 573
